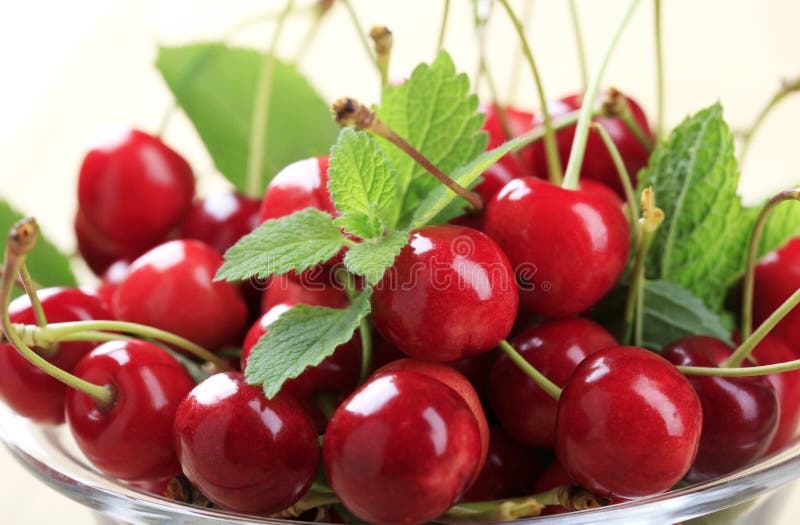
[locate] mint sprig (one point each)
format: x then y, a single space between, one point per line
370 259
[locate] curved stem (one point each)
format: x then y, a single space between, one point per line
659 71
550 146
749 343
443 27
260 120
576 27
57 331
582 129
93 335
787 87
513 80
30 289
752 256
361 34
364 329
622 173
310 36
635 128
545 384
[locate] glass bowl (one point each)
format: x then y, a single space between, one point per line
749 495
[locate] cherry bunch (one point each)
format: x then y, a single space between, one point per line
478 389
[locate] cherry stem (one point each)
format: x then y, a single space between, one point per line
529 370
616 105
360 30
443 27
787 87
659 71
30 289
550 146
513 81
652 218
576 27
624 176
582 129
571 498
311 500
752 255
350 112
21 240
751 341
364 328
320 10
382 38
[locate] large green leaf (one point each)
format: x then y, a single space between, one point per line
215 85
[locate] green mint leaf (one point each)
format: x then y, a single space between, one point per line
302 337
672 312
46 264
434 111
370 259
295 242
363 185
215 85
695 176
443 204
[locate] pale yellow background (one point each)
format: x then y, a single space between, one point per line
72 69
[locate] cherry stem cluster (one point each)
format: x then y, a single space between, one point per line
529 370
582 129
550 145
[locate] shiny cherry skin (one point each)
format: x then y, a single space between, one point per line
302 184
100 253
598 164
401 449
450 294
220 219
509 471
554 348
450 377
740 414
777 277
519 122
337 373
772 350
132 438
24 387
133 189
172 287
284 289
568 248
628 423
598 188
246 453
111 279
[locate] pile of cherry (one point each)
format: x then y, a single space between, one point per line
444 417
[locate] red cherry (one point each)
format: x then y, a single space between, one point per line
303 184
599 165
23 386
221 219
283 289
171 287
110 281
246 453
337 373
457 382
777 277
598 188
476 369
99 252
402 449
133 189
383 352
519 122
568 248
628 423
450 294
131 439
553 476
554 348
509 471
740 414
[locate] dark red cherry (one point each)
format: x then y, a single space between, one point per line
598 165
24 387
456 381
450 294
246 453
133 189
337 373
402 449
111 279
132 438
476 369
383 352
554 348
220 219
740 414
553 476
519 122
568 248
628 423
777 277
172 287
509 471
100 253
283 289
